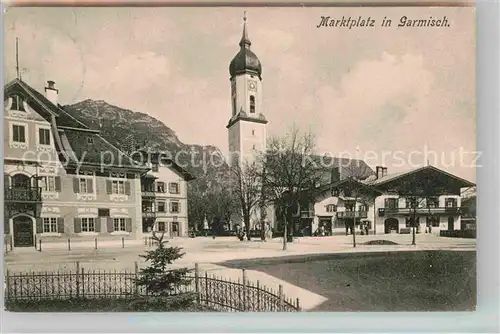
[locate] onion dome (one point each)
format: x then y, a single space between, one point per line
245 61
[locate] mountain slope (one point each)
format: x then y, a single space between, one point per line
148 132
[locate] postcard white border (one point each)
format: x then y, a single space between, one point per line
484 320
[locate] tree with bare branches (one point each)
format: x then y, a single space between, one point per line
356 192
246 185
290 174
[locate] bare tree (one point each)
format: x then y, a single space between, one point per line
290 173
355 191
221 205
246 185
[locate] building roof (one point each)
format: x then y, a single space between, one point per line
75 141
421 180
89 148
245 60
142 157
43 106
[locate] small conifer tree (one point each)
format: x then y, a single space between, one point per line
166 289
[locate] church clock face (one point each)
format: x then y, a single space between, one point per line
252 85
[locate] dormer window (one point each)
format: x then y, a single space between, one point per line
90 140
17 103
252 104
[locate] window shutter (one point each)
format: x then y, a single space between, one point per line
60 225
179 207
97 224
6 226
108 187
58 183
39 225
6 180
110 226
127 187
128 224
77 225
90 186
76 185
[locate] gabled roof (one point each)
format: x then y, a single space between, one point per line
421 181
89 148
347 183
75 140
43 106
143 157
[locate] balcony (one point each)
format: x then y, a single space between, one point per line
148 193
307 214
25 195
148 214
350 214
421 211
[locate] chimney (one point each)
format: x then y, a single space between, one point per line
51 93
384 171
379 171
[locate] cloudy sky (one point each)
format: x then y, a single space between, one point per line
388 95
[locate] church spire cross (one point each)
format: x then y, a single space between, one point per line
245 41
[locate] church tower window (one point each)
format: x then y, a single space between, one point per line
252 104
234 106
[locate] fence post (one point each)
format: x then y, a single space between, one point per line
40 245
298 304
95 241
7 283
77 279
245 289
69 244
207 298
197 282
280 295
123 242
136 269
258 296
83 283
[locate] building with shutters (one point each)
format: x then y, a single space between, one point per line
62 179
164 190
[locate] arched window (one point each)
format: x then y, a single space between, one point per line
17 103
234 106
252 104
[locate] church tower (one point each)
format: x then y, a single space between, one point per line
247 125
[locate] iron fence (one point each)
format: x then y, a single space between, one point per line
219 293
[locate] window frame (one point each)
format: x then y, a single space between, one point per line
19 101
25 135
253 108
86 221
452 200
51 223
45 187
172 203
163 224
45 130
121 223
158 206
331 208
116 191
157 188
177 185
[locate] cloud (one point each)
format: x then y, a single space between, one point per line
379 89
